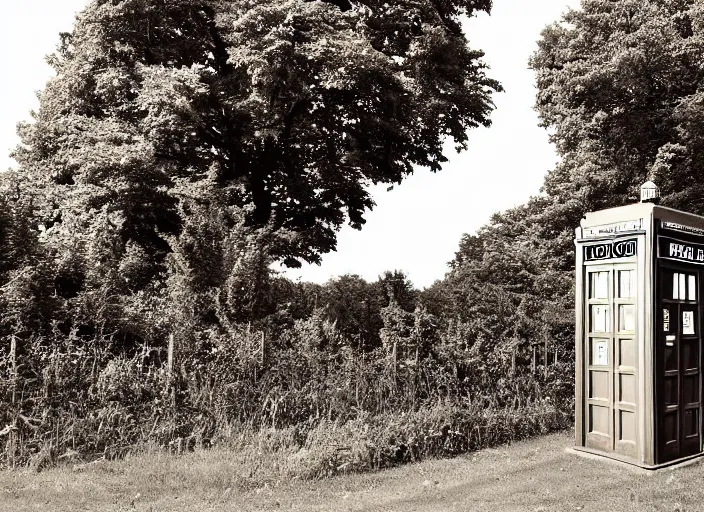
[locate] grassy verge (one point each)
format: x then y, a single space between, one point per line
244 458
384 441
533 475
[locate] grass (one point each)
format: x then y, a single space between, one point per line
535 475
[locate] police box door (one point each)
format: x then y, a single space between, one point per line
678 362
610 363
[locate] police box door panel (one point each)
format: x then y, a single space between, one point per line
610 362
678 367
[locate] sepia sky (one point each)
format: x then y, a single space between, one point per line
415 227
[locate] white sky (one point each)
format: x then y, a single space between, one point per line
417 226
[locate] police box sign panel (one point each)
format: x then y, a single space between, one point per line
681 227
609 250
678 250
613 229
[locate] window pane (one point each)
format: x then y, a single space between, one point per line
599 318
627 283
600 352
692 290
599 287
687 322
627 317
675 286
683 280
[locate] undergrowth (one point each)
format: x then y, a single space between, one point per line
303 411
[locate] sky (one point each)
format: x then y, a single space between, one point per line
417 226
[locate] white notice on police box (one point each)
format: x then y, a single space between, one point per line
601 353
600 319
687 322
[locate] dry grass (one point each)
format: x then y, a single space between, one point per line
535 475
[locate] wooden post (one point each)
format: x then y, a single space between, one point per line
555 361
170 357
513 361
395 360
545 369
356 380
13 364
262 348
170 370
532 362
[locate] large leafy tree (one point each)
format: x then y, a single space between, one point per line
620 88
292 107
185 145
353 305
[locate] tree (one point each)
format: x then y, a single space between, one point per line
299 300
395 286
185 145
620 87
354 305
294 107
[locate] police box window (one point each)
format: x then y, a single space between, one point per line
684 286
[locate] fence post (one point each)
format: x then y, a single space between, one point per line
394 362
170 357
356 380
170 371
13 364
262 349
545 370
532 362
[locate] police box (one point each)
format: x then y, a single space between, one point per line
638 386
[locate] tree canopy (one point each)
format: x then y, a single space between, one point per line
621 91
620 88
289 108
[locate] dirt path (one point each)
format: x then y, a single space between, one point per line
537 475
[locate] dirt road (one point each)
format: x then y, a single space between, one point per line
537 475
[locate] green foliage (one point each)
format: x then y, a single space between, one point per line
443 430
81 397
506 291
396 333
182 148
620 89
354 305
291 108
